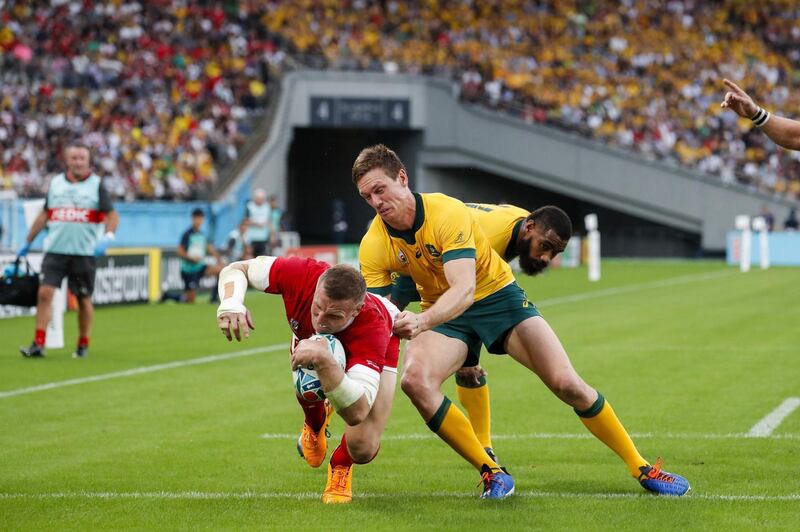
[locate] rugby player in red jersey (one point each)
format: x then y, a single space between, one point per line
325 299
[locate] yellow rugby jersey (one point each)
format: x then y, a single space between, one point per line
501 224
444 229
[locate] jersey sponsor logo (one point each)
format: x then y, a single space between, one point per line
402 256
432 250
484 208
459 238
75 214
294 324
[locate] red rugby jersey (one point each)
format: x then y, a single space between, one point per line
367 341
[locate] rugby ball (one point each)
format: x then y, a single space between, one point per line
306 382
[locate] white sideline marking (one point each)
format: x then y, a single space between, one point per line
247 352
201 495
565 436
770 422
144 369
683 279
694 348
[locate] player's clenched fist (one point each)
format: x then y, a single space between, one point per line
408 325
309 352
235 323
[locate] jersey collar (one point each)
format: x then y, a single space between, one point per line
419 219
511 249
72 178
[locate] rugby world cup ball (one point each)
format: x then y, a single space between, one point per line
306 382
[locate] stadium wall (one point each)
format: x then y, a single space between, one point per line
150 223
455 136
783 248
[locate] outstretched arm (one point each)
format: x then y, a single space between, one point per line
233 318
784 132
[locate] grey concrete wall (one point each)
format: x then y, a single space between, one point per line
456 135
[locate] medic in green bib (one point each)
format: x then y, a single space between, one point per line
80 222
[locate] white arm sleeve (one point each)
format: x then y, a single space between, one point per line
368 379
391 308
258 271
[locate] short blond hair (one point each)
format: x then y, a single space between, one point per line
377 156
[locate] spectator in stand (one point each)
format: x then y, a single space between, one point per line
791 223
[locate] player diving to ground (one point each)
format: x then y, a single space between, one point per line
469 298
536 238
319 298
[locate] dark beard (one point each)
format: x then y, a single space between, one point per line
529 266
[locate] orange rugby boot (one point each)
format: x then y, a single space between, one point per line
339 488
313 446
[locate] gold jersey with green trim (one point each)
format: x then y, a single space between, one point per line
501 225
443 230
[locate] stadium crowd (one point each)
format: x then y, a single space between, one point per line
162 88
638 75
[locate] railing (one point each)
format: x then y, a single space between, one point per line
263 123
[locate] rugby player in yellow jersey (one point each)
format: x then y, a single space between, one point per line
535 238
469 298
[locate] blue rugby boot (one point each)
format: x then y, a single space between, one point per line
497 484
652 478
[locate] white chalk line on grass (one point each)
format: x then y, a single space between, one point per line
671 281
247 495
144 369
248 352
692 348
566 436
771 421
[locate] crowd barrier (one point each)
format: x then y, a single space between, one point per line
784 248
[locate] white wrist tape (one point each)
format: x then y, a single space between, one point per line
344 395
234 303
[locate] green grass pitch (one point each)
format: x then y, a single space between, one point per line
692 355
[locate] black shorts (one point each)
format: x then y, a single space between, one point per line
78 269
191 280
